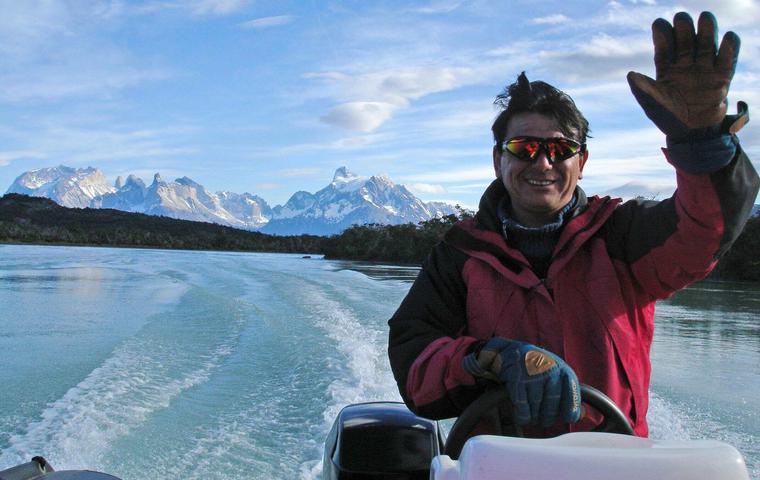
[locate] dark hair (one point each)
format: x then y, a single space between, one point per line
538 97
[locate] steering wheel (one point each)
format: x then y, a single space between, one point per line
615 420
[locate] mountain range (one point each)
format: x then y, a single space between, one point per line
349 199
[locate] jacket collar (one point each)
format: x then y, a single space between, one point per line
488 217
481 236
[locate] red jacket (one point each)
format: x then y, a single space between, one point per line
595 308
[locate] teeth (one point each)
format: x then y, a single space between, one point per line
540 183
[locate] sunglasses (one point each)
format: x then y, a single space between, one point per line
555 149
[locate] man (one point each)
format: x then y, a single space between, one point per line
546 287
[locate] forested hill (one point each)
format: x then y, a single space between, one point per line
25 219
742 262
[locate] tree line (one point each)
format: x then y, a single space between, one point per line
35 220
25 219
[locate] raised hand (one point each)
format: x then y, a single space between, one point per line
688 97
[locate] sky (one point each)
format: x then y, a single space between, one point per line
271 97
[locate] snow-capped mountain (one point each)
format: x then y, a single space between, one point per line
350 199
182 198
251 209
64 185
648 191
128 196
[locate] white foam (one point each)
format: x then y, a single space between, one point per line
671 421
76 430
366 374
665 421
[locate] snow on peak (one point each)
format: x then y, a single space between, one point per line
134 180
383 178
343 175
347 181
64 185
645 190
188 182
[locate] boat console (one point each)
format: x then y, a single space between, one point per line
585 455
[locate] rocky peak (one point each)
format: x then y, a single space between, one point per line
342 174
134 181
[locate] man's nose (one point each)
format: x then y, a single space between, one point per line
542 160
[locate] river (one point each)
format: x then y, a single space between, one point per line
175 364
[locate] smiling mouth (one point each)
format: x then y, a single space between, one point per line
540 183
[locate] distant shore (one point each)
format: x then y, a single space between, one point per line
28 220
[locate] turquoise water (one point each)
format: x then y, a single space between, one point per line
172 364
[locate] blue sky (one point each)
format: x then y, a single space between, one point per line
270 97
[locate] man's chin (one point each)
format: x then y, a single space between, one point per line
546 204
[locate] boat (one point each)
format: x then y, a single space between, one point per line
386 441
39 469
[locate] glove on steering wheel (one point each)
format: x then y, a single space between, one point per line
541 385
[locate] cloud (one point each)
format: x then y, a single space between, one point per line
300 172
394 85
460 121
328 76
217 7
550 20
417 82
9 156
360 116
634 142
425 188
23 27
523 50
38 28
625 155
75 77
641 14
373 97
54 50
484 173
438 7
81 145
729 14
470 187
636 17
265 22
606 46
341 144
268 186
605 57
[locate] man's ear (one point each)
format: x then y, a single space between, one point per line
582 163
497 162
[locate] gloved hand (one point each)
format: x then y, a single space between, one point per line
541 385
688 98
